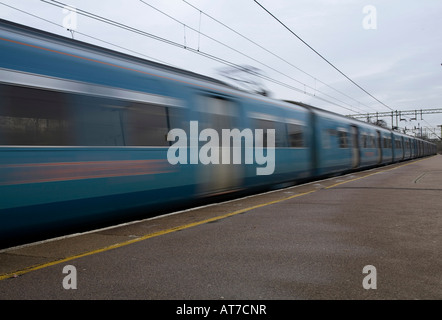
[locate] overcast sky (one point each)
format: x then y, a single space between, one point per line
392 49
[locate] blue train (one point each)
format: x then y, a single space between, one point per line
84 136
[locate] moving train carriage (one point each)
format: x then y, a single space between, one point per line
86 136
412 148
369 144
415 147
66 156
420 150
386 146
239 125
398 147
433 149
334 151
81 137
406 143
343 144
430 148
293 139
424 148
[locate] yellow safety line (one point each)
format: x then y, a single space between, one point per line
151 235
186 226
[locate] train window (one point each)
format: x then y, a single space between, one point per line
343 139
325 139
371 142
368 141
95 121
33 117
112 122
338 137
295 135
216 113
145 125
270 124
363 141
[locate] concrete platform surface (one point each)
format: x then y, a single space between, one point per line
373 234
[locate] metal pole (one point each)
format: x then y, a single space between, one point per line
392 124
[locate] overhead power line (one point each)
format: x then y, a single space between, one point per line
415 113
321 56
183 46
432 130
272 53
84 34
243 54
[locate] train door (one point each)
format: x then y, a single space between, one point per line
379 145
356 157
218 113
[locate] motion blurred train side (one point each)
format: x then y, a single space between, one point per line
83 136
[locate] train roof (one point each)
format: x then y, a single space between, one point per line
41 35
48 36
15 27
350 119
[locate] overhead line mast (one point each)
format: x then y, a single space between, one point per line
396 114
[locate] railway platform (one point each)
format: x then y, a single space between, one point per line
372 234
